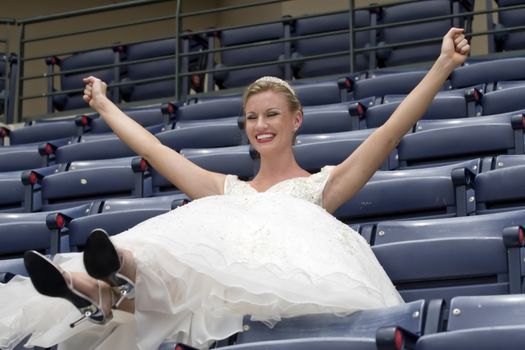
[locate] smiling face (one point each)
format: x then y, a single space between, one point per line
270 122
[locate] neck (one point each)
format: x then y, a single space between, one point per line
279 167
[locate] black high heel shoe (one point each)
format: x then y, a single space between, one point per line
49 280
102 262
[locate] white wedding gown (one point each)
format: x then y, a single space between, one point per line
205 265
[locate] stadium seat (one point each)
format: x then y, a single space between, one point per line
80 182
75 67
443 141
322 92
488 73
44 130
235 160
360 330
21 157
446 105
222 132
480 322
506 100
266 52
118 215
507 39
431 29
21 191
448 257
140 64
385 82
210 108
326 119
335 44
442 191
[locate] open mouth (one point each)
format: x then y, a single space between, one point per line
262 138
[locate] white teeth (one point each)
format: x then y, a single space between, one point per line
264 136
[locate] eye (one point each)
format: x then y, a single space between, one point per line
250 117
272 113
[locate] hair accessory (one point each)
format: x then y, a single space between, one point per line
274 80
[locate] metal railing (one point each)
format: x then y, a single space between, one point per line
176 20
6 99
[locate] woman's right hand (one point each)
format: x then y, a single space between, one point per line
95 91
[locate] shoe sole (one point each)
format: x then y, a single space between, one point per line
100 257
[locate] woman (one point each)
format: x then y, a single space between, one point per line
265 247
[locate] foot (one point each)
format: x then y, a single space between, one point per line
98 291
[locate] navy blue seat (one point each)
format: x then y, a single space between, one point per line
446 105
360 330
480 322
44 130
336 44
417 193
84 181
159 72
431 29
21 157
266 52
507 39
118 215
506 100
235 160
222 132
444 258
326 119
443 141
210 108
21 191
322 92
500 189
488 73
313 151
75 67
385 82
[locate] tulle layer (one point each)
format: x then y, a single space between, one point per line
202 267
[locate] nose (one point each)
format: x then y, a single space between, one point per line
261 123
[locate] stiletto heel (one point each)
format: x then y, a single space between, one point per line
103 262
48 279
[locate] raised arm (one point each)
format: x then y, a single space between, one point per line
193 180
352 174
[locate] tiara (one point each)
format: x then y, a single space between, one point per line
274 80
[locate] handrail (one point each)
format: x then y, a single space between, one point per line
181 58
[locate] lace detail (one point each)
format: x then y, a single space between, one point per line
308 188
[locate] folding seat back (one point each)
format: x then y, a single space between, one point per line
380 85
501 101
146 116
444 258
445 105
326 119
42 131
266 52
159 72
431 29
360 324
510 39
445 141
222 132
322 92
480 322
490 72
85 181
211 108
417 193
336 44
500 189
118 215
75 67
21 158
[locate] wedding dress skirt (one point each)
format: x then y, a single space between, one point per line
203 266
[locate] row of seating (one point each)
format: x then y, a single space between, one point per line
474 322
451 259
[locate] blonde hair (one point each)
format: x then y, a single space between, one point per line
276 85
